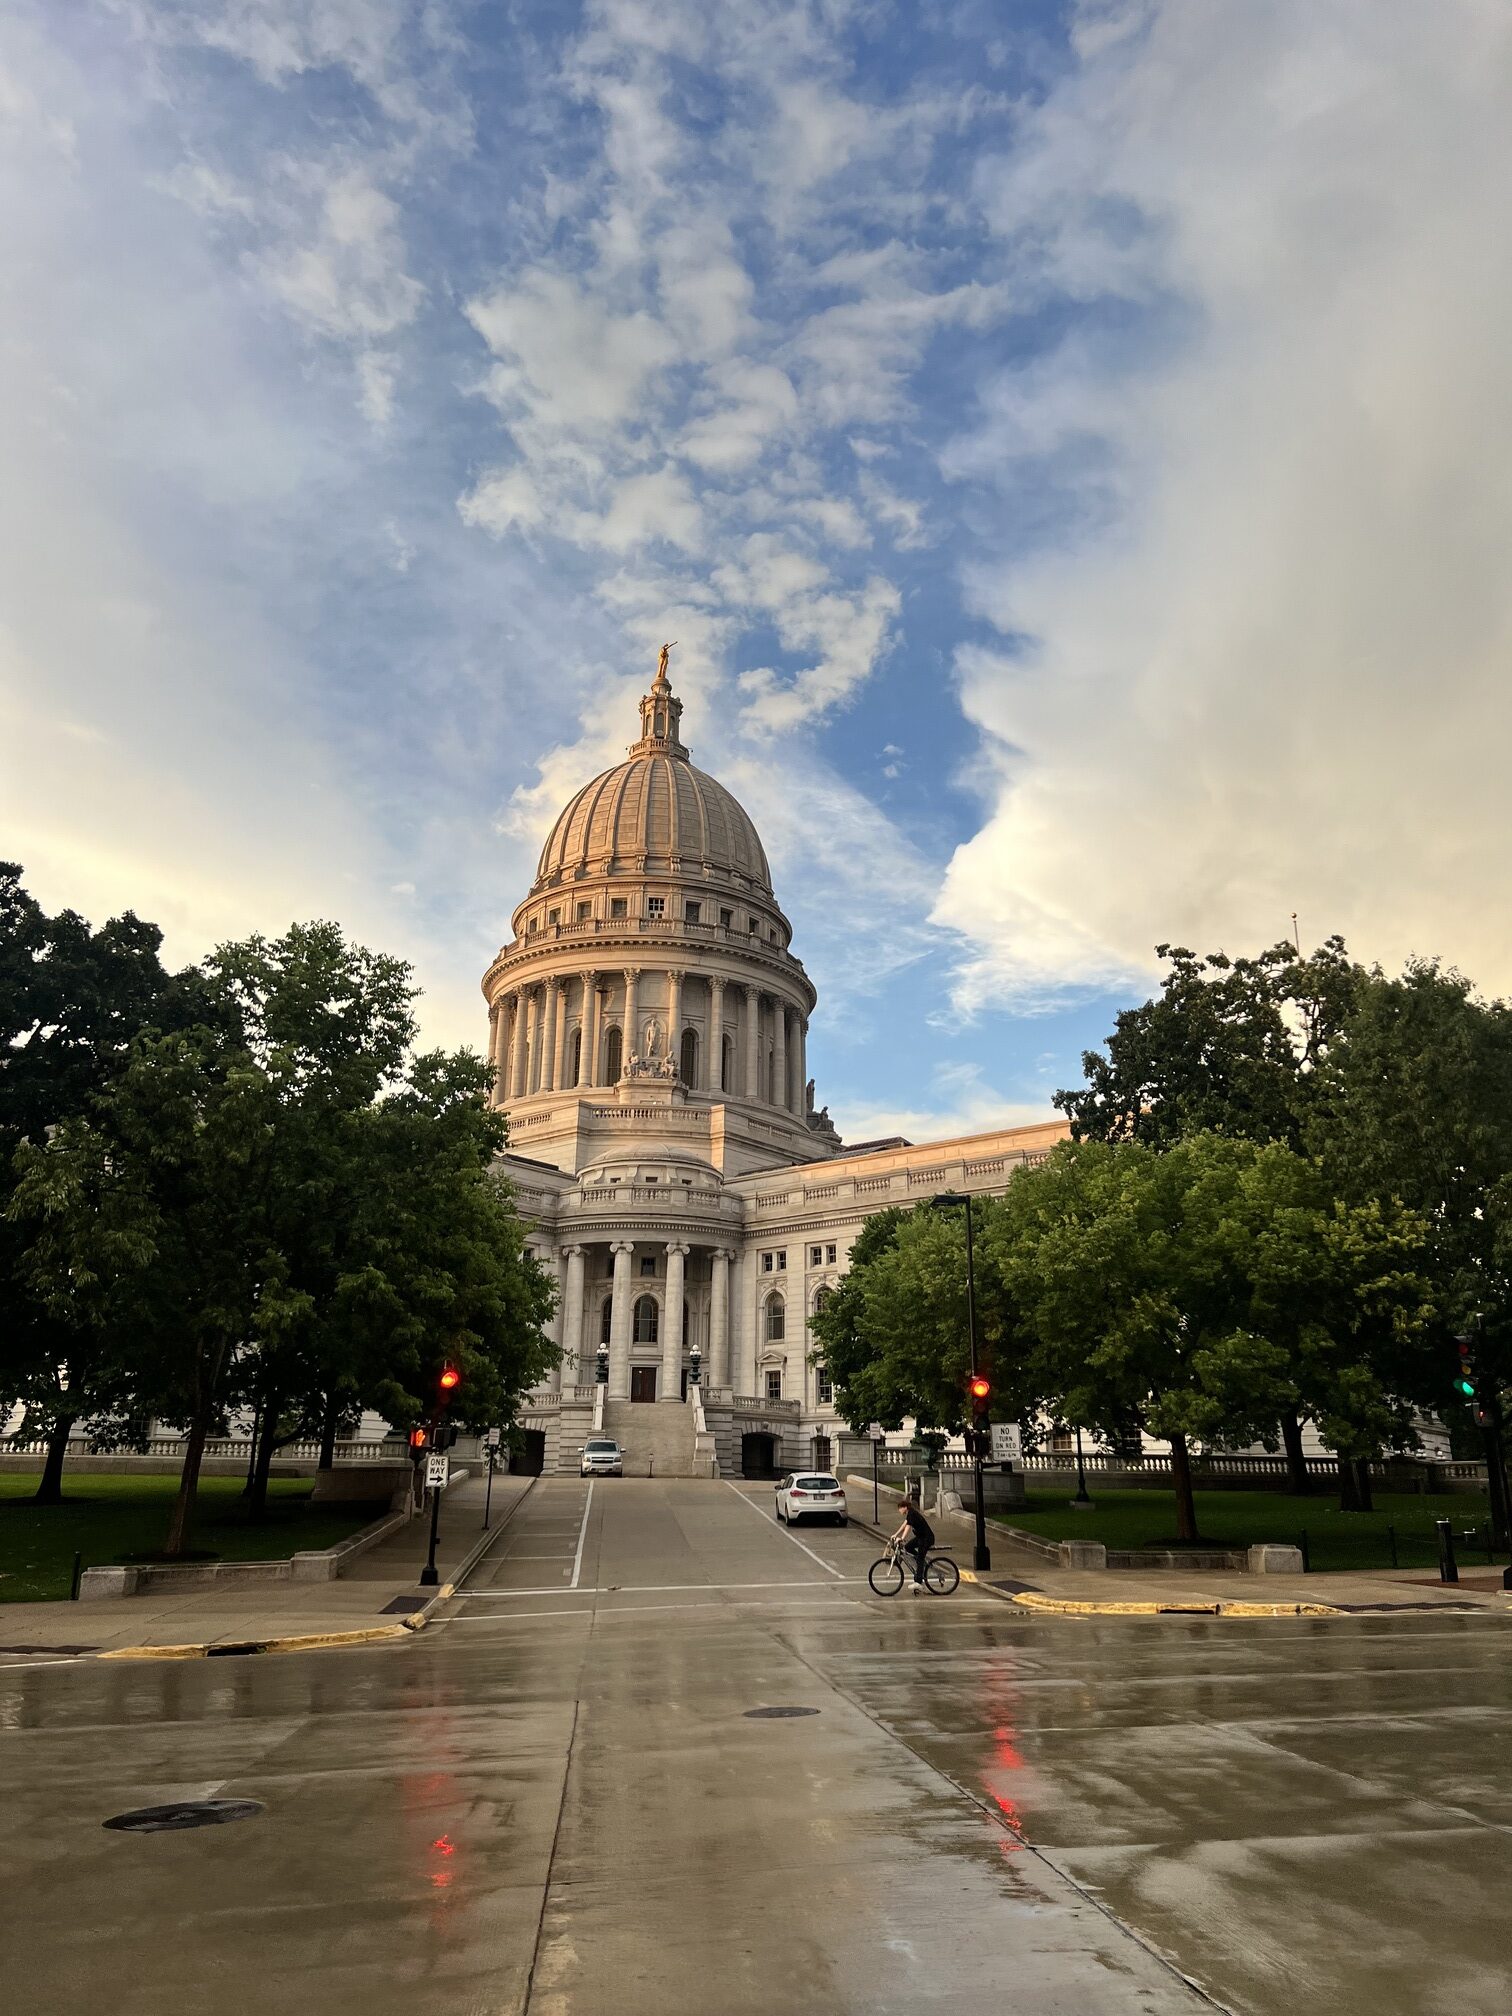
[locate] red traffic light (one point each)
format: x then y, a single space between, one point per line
450 1378
980 1389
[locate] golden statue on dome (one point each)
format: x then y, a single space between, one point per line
661 663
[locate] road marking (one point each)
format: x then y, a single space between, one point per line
784 1532
577 1563
629 1610
647 1588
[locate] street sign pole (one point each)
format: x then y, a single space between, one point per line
490 1451
428 1576
877 1432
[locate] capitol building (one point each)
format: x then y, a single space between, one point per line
648 1028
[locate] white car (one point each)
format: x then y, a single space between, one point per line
809 1494
602 1458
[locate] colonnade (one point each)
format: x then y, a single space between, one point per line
553 1035
580 1348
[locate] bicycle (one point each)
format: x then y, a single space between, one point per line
887 1576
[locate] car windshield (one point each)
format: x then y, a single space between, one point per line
815 1484
603 1448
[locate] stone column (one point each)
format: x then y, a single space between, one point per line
554 1376
669 1383
619 1321
719 1320
495 1020
629 1040
590 1029
752 1035
714 1062
674 1018
800 1099
559 1048
532 1038
743 1316
780 1094
549 995
572 1319
518 1051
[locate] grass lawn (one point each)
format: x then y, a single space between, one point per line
1335 1539
113 1518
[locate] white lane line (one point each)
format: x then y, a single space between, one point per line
784 1532
642 1589
629 1610
577 1563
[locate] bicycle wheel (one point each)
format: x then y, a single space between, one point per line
942 1575
886 1576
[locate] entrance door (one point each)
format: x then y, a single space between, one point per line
758 1455
642 1382
530 1459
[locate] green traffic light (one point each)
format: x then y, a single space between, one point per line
1467 1387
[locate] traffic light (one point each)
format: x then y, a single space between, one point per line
446 1435
419 1444
1467 1382
980 1390
449 1381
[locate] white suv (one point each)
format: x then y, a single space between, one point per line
809 1494
602 1458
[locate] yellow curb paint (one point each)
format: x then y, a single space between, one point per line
422 1617
1065 1606
156 1652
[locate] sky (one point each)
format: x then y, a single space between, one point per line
1066 441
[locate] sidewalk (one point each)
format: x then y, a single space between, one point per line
272 1610
1019 1571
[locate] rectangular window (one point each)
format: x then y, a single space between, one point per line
534 925
584 911
782 1263
829 1256
727 918
754 926
553 916
774 1385
648 1263
826 1388
656 906
616 906
816 1256
692 912
766 1262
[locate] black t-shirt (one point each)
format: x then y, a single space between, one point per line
919 1527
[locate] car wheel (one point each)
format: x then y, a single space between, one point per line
842 1520
779 1515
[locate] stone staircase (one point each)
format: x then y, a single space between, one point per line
656 1436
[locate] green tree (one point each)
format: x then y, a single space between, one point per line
1173 1289
1229 1046
72 1002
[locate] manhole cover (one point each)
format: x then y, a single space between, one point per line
403 1606
184 1813
776 1714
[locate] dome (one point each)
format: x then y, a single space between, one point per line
654 810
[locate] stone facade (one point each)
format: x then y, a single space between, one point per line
648 1024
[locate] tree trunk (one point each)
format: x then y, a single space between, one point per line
181 1525
328 1434
1181 1479
250 1486
1296 1462
1349 1486
50 1490
267 1442
1362 1484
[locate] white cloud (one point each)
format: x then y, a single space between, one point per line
1266 657
567 359
963 1102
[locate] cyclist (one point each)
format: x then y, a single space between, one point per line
917 1536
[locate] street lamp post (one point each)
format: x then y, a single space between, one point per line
947 1200
1081 1501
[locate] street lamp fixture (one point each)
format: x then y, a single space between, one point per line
950 1200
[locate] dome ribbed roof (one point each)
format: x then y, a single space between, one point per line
655 809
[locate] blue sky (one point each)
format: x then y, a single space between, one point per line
1063 439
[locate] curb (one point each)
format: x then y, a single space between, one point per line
1065 1606
321 1641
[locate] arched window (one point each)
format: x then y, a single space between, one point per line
614 1051
726 1062
577 1058
646 1314
690 1057
606 1319
776 1319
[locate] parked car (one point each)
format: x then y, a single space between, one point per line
810 1494
602 1458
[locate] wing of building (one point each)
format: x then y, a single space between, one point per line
648 1024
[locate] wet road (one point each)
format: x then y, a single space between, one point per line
559 1800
